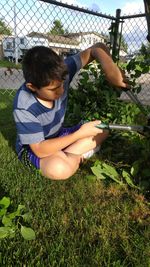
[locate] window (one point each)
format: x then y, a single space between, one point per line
21 40
9 45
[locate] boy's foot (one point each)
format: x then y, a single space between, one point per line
90 153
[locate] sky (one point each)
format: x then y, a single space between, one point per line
35 15
134 31
110 6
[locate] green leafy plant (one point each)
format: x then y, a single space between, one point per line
134 69
94 98
103 171
11 222
88 223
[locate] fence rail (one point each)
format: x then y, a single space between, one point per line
67 29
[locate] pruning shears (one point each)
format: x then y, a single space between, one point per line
143 130
134 98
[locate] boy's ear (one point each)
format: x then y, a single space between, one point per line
31 87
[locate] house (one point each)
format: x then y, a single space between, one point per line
1 46
86 39
66 43
59 43
15 47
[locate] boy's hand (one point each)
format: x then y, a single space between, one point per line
124 82
89 129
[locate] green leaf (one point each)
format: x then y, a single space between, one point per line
27 233
5 201
4 232
146 69
112 173
2 212
98 171
137 74
111 170
12 215
7 221
135 168
103 171
128 179
27 216
20 208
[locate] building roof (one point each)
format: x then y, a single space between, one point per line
54 38
76 34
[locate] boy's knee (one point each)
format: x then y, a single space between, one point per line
58 170
61 172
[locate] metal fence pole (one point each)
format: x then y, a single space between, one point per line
147 11
115 48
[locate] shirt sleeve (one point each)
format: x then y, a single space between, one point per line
74 65
29 129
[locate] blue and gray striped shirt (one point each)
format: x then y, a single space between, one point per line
35 122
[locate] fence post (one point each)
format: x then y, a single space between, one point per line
115 46
147 11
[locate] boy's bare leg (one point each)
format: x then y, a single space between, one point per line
60 166
63 164
86 144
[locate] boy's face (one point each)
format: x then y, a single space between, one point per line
50 92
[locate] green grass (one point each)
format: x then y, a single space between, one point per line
78 222
8 64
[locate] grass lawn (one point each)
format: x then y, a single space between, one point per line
80 222
8 64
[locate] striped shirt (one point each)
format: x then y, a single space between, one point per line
35 122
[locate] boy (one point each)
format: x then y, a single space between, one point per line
40 105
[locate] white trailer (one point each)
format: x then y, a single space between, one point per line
14 47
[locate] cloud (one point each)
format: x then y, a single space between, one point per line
135 39
95 7
134 7
70 2
73 2
39 16
134 29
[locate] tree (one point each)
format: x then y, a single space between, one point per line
145 50
57 28
123 43
4 29
120 42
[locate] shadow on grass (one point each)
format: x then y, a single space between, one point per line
2 192
7 128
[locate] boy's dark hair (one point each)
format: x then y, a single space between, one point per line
41 65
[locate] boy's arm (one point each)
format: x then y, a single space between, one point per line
50 146
100 53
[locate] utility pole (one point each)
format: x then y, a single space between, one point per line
15 33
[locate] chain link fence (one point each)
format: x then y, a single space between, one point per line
134 32
65 28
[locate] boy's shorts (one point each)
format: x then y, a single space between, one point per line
29 159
